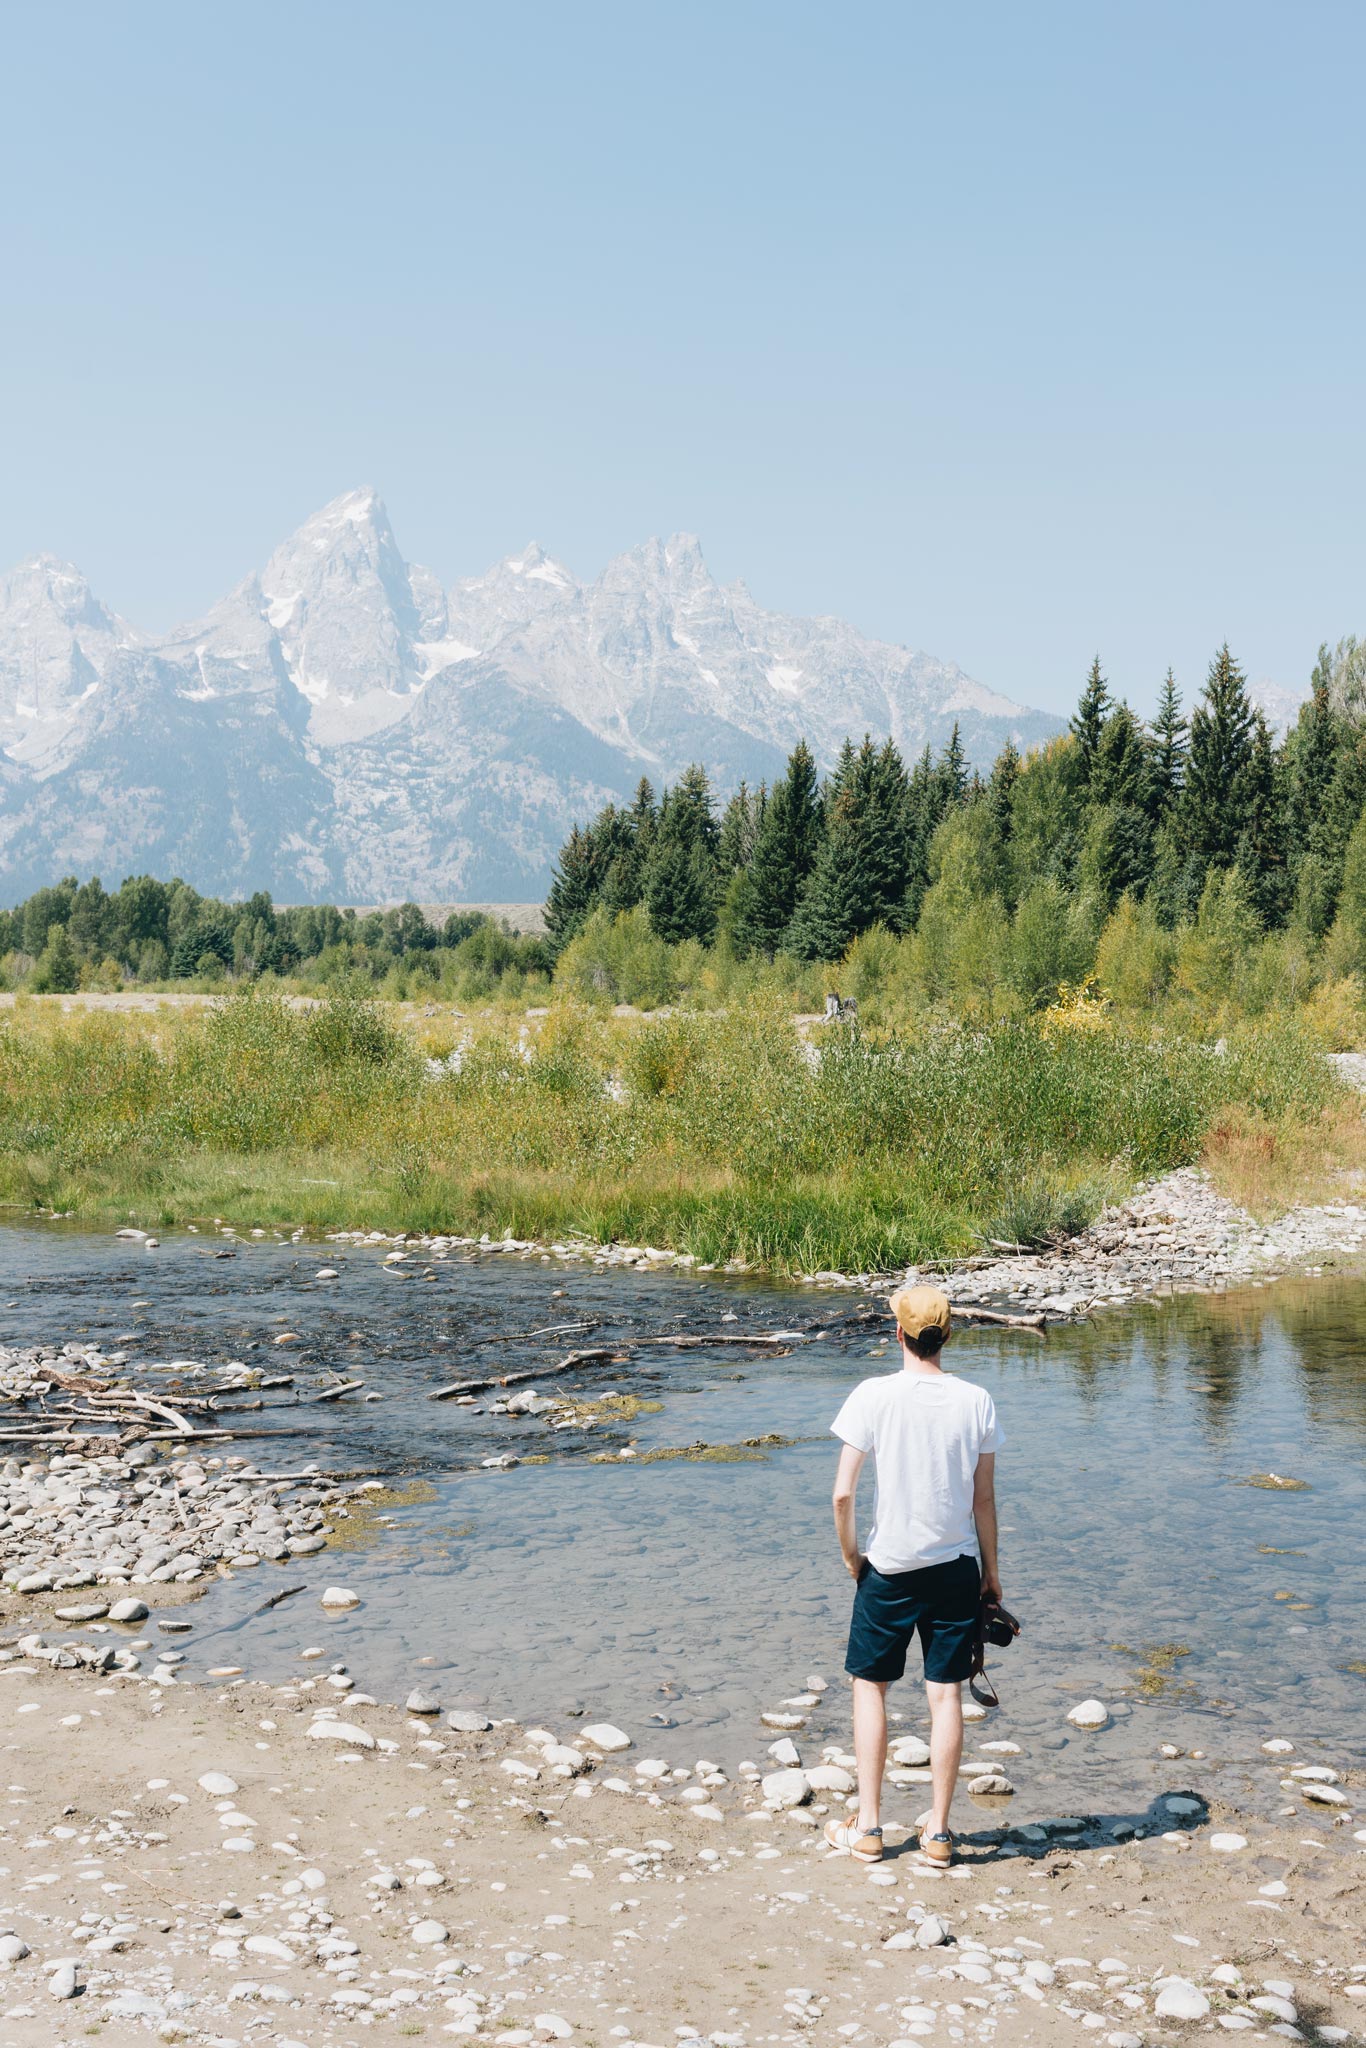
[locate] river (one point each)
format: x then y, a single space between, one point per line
679 1597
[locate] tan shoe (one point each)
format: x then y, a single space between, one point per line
936 1850
863 1847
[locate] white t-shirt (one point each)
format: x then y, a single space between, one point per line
926 1432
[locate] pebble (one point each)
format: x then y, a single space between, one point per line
1089 1714
466 1722
13 1949
430 1934
330 1730
218 1785
786 1788
932 1932
1228 1845
129 1610
65 1981
340 1596
602 1735
1180 2000
1324 1795
419 1702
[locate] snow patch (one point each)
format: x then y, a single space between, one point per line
433 655
785 679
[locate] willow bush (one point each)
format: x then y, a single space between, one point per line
723 1133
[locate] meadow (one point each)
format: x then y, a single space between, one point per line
725 1133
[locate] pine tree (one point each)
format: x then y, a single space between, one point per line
1088 722
1214 801
833 907
784 854
860 874
574 888
1005 774
1263 845
1167 752
740 828
1119 766
952 772
680 873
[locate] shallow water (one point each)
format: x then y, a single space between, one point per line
701 1591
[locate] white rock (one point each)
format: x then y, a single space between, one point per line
786 1752
1089 1714
910 1751
419 1702
991 1784
932 1932
786 1788
267 1945
1278 1746
64 1982
13 1949
430 1934
602 1735
129 1610
1180 2000
1278 2008
340 1596
777 1719
466 1722
552 2026
218 1784
830 1778
328 1730
1228 1845
1324 1795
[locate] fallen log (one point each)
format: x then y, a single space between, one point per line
331 1393
1038 1323
617 1354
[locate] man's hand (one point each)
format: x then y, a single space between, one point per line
854 1565
991 1587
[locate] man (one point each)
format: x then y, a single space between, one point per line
931 1556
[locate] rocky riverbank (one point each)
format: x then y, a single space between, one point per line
1175 1235
248 1865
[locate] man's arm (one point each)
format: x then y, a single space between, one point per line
984 1515
846 1524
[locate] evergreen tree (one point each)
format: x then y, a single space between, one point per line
1167 752
574 888
1263 845
952 772
784 854
740 828
860 874
57 973
1214 803
680 873
1088 722
1001 790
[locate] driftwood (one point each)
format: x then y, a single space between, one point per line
764 1338
617 1354
1039 1323
333 1393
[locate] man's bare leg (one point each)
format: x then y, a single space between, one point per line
946 1749
870 1748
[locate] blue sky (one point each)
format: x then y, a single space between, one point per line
1008 332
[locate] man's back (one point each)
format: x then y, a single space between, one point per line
926 1432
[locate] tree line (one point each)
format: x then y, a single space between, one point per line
77 934
1170 815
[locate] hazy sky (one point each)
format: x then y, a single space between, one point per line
1008 332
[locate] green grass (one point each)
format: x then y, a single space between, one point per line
717 1134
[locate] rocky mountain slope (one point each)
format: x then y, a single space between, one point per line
342 727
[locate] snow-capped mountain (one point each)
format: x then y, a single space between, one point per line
340 726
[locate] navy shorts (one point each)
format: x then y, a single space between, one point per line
940 1602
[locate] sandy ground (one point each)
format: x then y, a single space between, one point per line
325 1893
